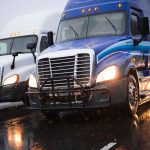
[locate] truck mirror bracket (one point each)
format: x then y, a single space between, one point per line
31 46
14 58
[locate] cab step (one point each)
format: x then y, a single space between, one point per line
144 96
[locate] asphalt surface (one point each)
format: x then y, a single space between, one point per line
22 129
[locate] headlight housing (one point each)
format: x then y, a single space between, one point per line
32 81
109 73
11 80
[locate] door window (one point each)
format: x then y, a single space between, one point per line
135 25
44 43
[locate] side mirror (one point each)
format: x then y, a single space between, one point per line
50 38
31 46
144 26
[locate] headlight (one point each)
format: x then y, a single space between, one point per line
109 73
11 80
32 82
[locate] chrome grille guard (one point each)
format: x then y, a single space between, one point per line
53 95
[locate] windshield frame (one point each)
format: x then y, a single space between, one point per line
10 53
72 19
87 37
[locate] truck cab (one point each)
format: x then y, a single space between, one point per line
21 41
100 59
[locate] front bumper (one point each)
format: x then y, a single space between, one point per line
102 95
13 93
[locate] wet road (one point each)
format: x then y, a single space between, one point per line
21 129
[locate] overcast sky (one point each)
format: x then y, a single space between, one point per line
12 8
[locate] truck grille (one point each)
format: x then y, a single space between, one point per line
59 69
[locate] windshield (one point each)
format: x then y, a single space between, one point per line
5 46
89 26
17 44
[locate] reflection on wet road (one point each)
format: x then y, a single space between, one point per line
15 136
21 129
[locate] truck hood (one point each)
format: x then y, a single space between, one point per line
23 62
98 44
6 59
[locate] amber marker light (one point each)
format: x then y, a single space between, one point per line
95 9
11 34
15 34
120 5
83 11
89 10
18 33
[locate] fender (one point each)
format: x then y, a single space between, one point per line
123 60
23 72
120 54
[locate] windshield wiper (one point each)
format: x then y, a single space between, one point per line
15 54
74 31
111 25
3 54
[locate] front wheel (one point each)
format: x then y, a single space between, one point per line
132 95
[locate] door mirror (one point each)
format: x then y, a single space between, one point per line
31 46
50 38
144 26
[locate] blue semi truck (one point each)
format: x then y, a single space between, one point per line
101 58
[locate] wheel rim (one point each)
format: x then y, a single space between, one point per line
133 96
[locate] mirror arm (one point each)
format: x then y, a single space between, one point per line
33 55
137 42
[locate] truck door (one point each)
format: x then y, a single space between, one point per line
43 43
141 53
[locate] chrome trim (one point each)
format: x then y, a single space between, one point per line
80 65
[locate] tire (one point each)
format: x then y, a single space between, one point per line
132 101
26 101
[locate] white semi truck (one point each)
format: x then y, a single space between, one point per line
21 41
